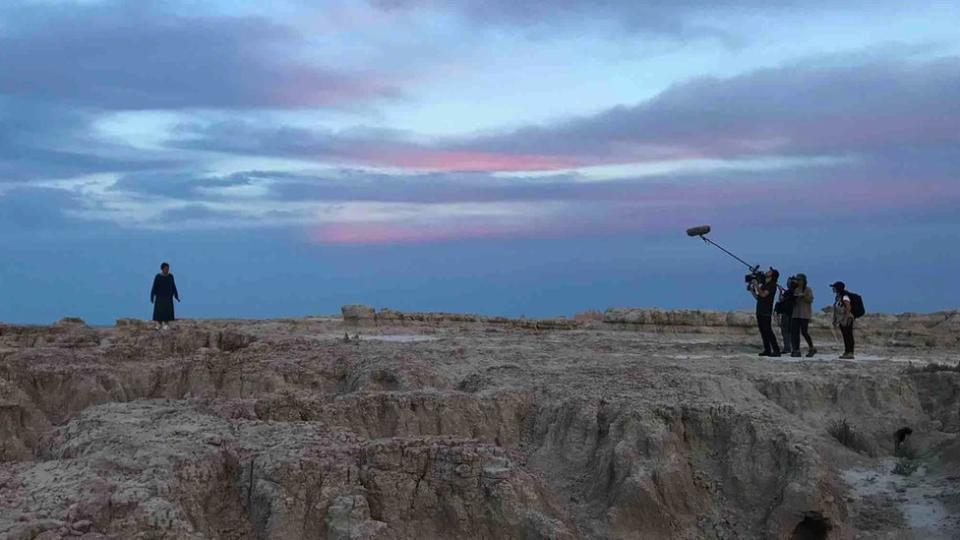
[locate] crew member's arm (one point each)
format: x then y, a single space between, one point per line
153 290
763 293
173 283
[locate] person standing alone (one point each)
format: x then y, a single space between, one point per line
765 294
843 318
802 313
162 294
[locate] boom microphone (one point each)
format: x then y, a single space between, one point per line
702 230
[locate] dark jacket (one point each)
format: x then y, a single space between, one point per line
164 287
765 304
784 306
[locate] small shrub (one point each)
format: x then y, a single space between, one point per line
905 467
932 367
905 452
842 431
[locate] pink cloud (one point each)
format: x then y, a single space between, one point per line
454 160
405 233
306 87
666 207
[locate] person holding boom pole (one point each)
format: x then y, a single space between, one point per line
763 287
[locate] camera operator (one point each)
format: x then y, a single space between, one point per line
765 293
784 311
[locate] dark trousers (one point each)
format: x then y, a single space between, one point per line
765 324
785 330
801 326
848 343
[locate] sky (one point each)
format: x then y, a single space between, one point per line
507 157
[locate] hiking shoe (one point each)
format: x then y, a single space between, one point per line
764 353
795 354
811 352
846 356
774 355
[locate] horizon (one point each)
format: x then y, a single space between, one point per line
497 158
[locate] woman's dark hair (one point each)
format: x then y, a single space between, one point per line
164 265
776 273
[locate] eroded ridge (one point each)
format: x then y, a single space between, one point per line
630 424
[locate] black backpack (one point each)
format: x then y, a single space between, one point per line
856 304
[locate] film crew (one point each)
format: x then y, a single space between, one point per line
802 313
161 296
763 287
784 312
843 318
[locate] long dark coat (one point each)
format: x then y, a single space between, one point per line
162 294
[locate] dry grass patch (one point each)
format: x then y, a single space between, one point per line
847 435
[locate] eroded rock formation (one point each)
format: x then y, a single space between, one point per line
647 424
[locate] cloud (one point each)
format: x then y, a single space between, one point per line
178 185
31 208
682 20
130 56
801 110
41 141
357 146
829 136
358 206
676 19
791 110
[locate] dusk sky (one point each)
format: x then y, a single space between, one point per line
504 157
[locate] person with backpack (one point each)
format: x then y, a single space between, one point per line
784 310
843 317
802 313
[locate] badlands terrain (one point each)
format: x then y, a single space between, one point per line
625 424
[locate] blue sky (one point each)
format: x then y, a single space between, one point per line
503 157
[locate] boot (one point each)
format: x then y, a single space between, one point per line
795 354
847 356
811 352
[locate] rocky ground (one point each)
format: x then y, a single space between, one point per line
626 424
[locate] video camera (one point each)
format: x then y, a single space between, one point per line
754 278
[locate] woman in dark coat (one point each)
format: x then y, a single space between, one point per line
162 294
